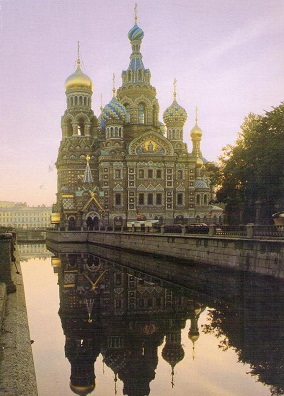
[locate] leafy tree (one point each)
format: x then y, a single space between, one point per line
251 174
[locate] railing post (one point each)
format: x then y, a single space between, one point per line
183 229
250 230
212 230
162 229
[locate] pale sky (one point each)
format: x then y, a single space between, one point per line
226 55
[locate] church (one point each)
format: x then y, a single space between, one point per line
126 165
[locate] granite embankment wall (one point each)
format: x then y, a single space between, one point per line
265 257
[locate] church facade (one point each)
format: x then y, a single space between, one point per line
126 165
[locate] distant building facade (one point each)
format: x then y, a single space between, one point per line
23 216
126 164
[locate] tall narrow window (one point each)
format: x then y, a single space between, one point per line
159 174
198 199
117 173
150 173
117 199
159 199
141 113
141 199
179 174
179 198
150 199
141 173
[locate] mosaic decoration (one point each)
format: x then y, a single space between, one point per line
175 114
68 203
150 147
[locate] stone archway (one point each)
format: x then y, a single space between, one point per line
93 221
71 223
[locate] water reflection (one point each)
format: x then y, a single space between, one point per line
125 318
125 315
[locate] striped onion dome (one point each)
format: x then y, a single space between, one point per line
136 33
114 112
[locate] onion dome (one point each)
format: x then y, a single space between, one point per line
196 132
78 80
200 184
114 112
136 33
175 115
199 163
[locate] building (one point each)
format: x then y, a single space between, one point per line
23 216
126 164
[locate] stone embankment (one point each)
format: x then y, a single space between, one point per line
256 255
17 373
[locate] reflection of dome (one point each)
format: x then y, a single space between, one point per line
196 132
115 359
135 33
82 390
114 112
173 351
174 115
78 80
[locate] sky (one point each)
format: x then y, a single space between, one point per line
226 55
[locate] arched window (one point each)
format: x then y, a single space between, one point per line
141 113
205 199
198 199
81 127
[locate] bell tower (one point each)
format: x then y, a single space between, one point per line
79 130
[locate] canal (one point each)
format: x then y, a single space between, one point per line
102 328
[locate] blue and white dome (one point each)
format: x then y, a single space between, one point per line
114 112
136 33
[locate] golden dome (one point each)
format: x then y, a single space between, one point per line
199 163
78 80
196 132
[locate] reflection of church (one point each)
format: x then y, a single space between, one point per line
126 162
124 317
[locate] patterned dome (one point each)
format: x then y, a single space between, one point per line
135 33
78 80
114 112
174 115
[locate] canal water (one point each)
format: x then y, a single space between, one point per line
100 328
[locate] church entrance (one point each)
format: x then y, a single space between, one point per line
93 221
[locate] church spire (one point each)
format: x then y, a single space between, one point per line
135 14
88 178
175 89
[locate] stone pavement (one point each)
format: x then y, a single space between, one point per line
17 373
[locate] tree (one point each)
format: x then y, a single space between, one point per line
251 175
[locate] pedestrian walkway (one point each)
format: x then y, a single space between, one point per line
17 374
